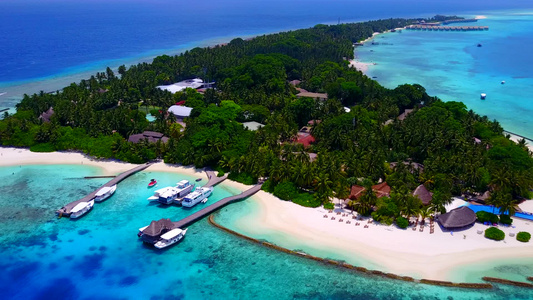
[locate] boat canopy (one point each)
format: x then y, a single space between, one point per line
182 184
171 234
79 207
103 191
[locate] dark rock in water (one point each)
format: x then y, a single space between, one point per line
69 257
52 266
129 280
53 237
83 231
102 248
92 248
57 290
90 264
188 249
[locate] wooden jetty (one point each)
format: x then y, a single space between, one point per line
65 210
216 206
213 179
446 28
102 176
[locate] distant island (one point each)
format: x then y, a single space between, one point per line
288 108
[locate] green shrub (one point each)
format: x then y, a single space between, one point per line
243 178
306 200
483 216
286 191
268 186
220 173
494 233
329 205
506 219
402 222
523 236
43 147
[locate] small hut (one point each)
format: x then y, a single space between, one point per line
423 194
381 190
458 218
152 233
150 136
45 116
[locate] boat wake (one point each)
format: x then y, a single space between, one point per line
1 94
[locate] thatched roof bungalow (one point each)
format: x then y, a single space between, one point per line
45 116
319 96
457 218
423 194
151 136
152 233
381 190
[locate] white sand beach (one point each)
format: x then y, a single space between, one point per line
406 252
360 66
516 139
386 248
17 156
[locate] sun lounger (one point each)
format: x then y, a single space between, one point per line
348 222
325 216
340 220
333 218
366 226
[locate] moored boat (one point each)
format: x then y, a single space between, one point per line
483 96
169 194
80 209
105 193
152 183
170 238
199 195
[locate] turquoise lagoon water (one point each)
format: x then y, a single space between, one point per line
99 256
243 218
452 67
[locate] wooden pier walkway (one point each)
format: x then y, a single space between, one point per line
65 210
213 179
446 28
215 206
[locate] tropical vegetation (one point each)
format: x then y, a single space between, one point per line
462 152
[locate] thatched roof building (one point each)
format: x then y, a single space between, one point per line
457 218
319 96
423 194
405 114
152 233
45 116
151 136
381 190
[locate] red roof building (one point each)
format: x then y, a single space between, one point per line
381 190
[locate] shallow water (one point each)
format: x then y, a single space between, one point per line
452 67
99 256
243 218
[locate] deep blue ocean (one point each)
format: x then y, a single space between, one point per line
45 45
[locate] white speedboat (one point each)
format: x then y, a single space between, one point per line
483 96
170 238
80 209
199 195
168 194
105 193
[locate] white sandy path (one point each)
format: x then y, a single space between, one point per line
405 252
17 156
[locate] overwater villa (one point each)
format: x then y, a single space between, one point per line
151 234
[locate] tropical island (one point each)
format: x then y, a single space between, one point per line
290 109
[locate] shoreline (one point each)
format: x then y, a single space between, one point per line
287 225
385 248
